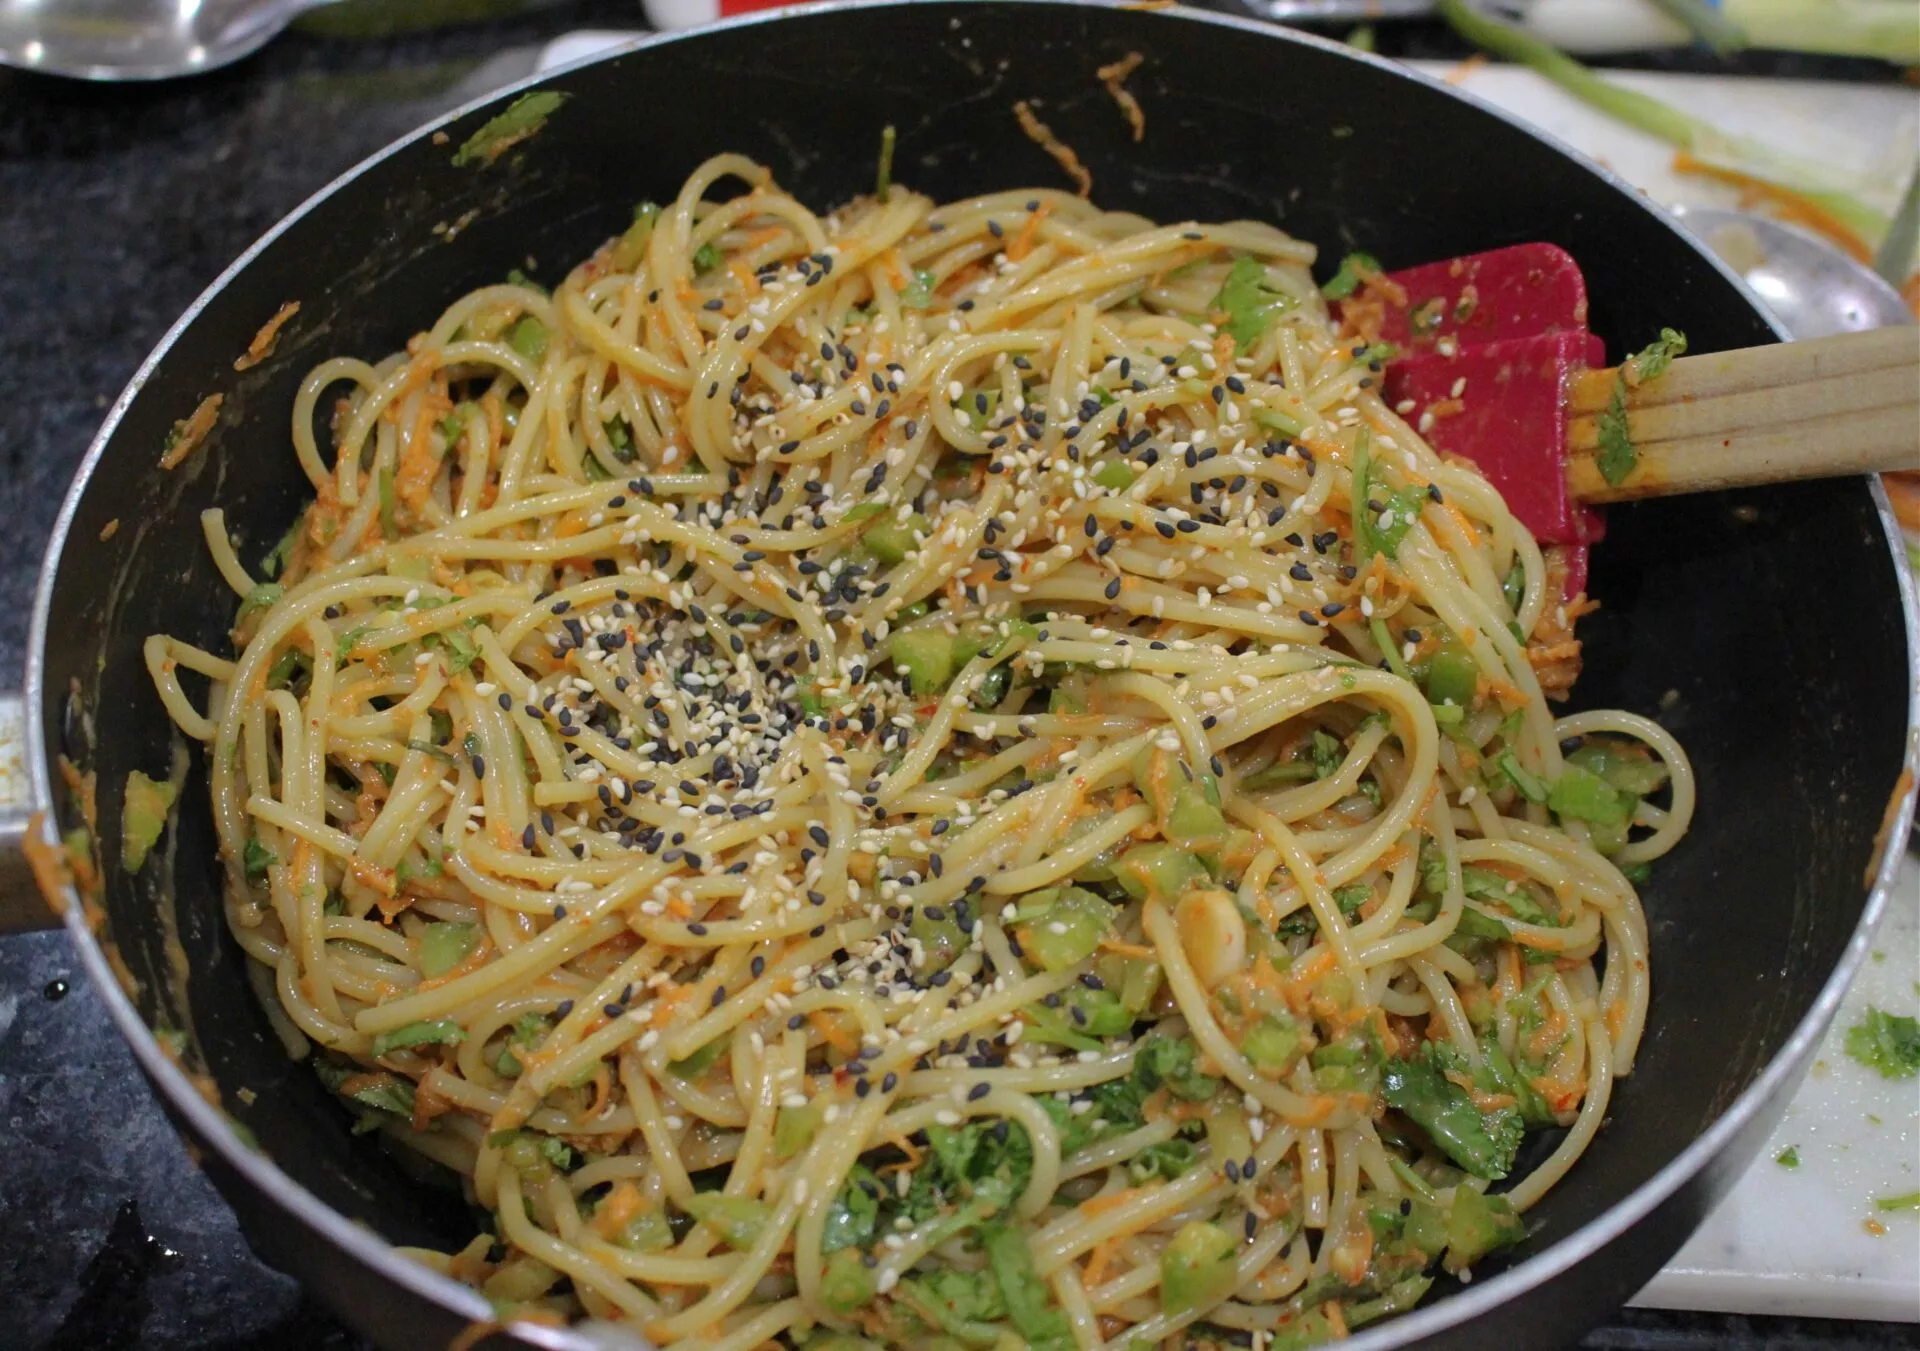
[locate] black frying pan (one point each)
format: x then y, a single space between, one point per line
1766 628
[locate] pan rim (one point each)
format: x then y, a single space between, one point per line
210 1125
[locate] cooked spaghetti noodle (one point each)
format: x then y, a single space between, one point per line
930 771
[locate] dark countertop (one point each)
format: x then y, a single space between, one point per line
117 206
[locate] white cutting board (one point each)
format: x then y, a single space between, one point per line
1785 1242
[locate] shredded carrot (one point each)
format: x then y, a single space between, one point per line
833 1033
1100 1205
1114 76
1910 292
1300 978
1463 72
190 431
1121 949
1794 207
1042 135
48 863
1097 1263
1023 242
267 338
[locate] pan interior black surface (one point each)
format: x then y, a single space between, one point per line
1793 711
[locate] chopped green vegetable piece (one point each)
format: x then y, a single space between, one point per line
793 1130
1652 361
1328 755
143 816
964 1304
1197 1269
706 258
1114 475
438 1032
389 504
1352 1064
1636 774
256 858
1381 519
1281 771
1886 1043
1478 927
445 946
1272 1045
523 118
289 669
883 175
919 292
1909 1201
262 597
1426 1223
1347 280
1173 1062
1389 649
1616 457
649 1231
848 1283
937 929
275 561
890 539
701 1060
379 1090
855 1212
1514 587
924 657
1478 1224
1497 1074
1022 1291
1788 1157
1528 785
1453 676
528 337
1067 929
1586 796
736 1219
1279 420
1157 869
1166 1160
631 249
1483 1143
1250 304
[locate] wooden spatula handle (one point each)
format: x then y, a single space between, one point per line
1819 408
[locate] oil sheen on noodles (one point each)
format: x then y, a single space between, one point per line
928 772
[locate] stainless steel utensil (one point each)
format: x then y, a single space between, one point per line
1812 288
138 39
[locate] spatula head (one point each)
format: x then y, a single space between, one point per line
1520 292
1485 345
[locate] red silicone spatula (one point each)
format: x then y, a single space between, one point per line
1494 363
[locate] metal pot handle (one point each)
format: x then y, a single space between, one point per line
21 907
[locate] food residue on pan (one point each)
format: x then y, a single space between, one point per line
188 433
267 338
109 530
1042 135
522 119
1114 77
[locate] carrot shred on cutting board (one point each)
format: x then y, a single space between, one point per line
1794 207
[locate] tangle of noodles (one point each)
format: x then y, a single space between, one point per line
857 775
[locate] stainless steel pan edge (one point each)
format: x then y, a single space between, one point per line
1749 1111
